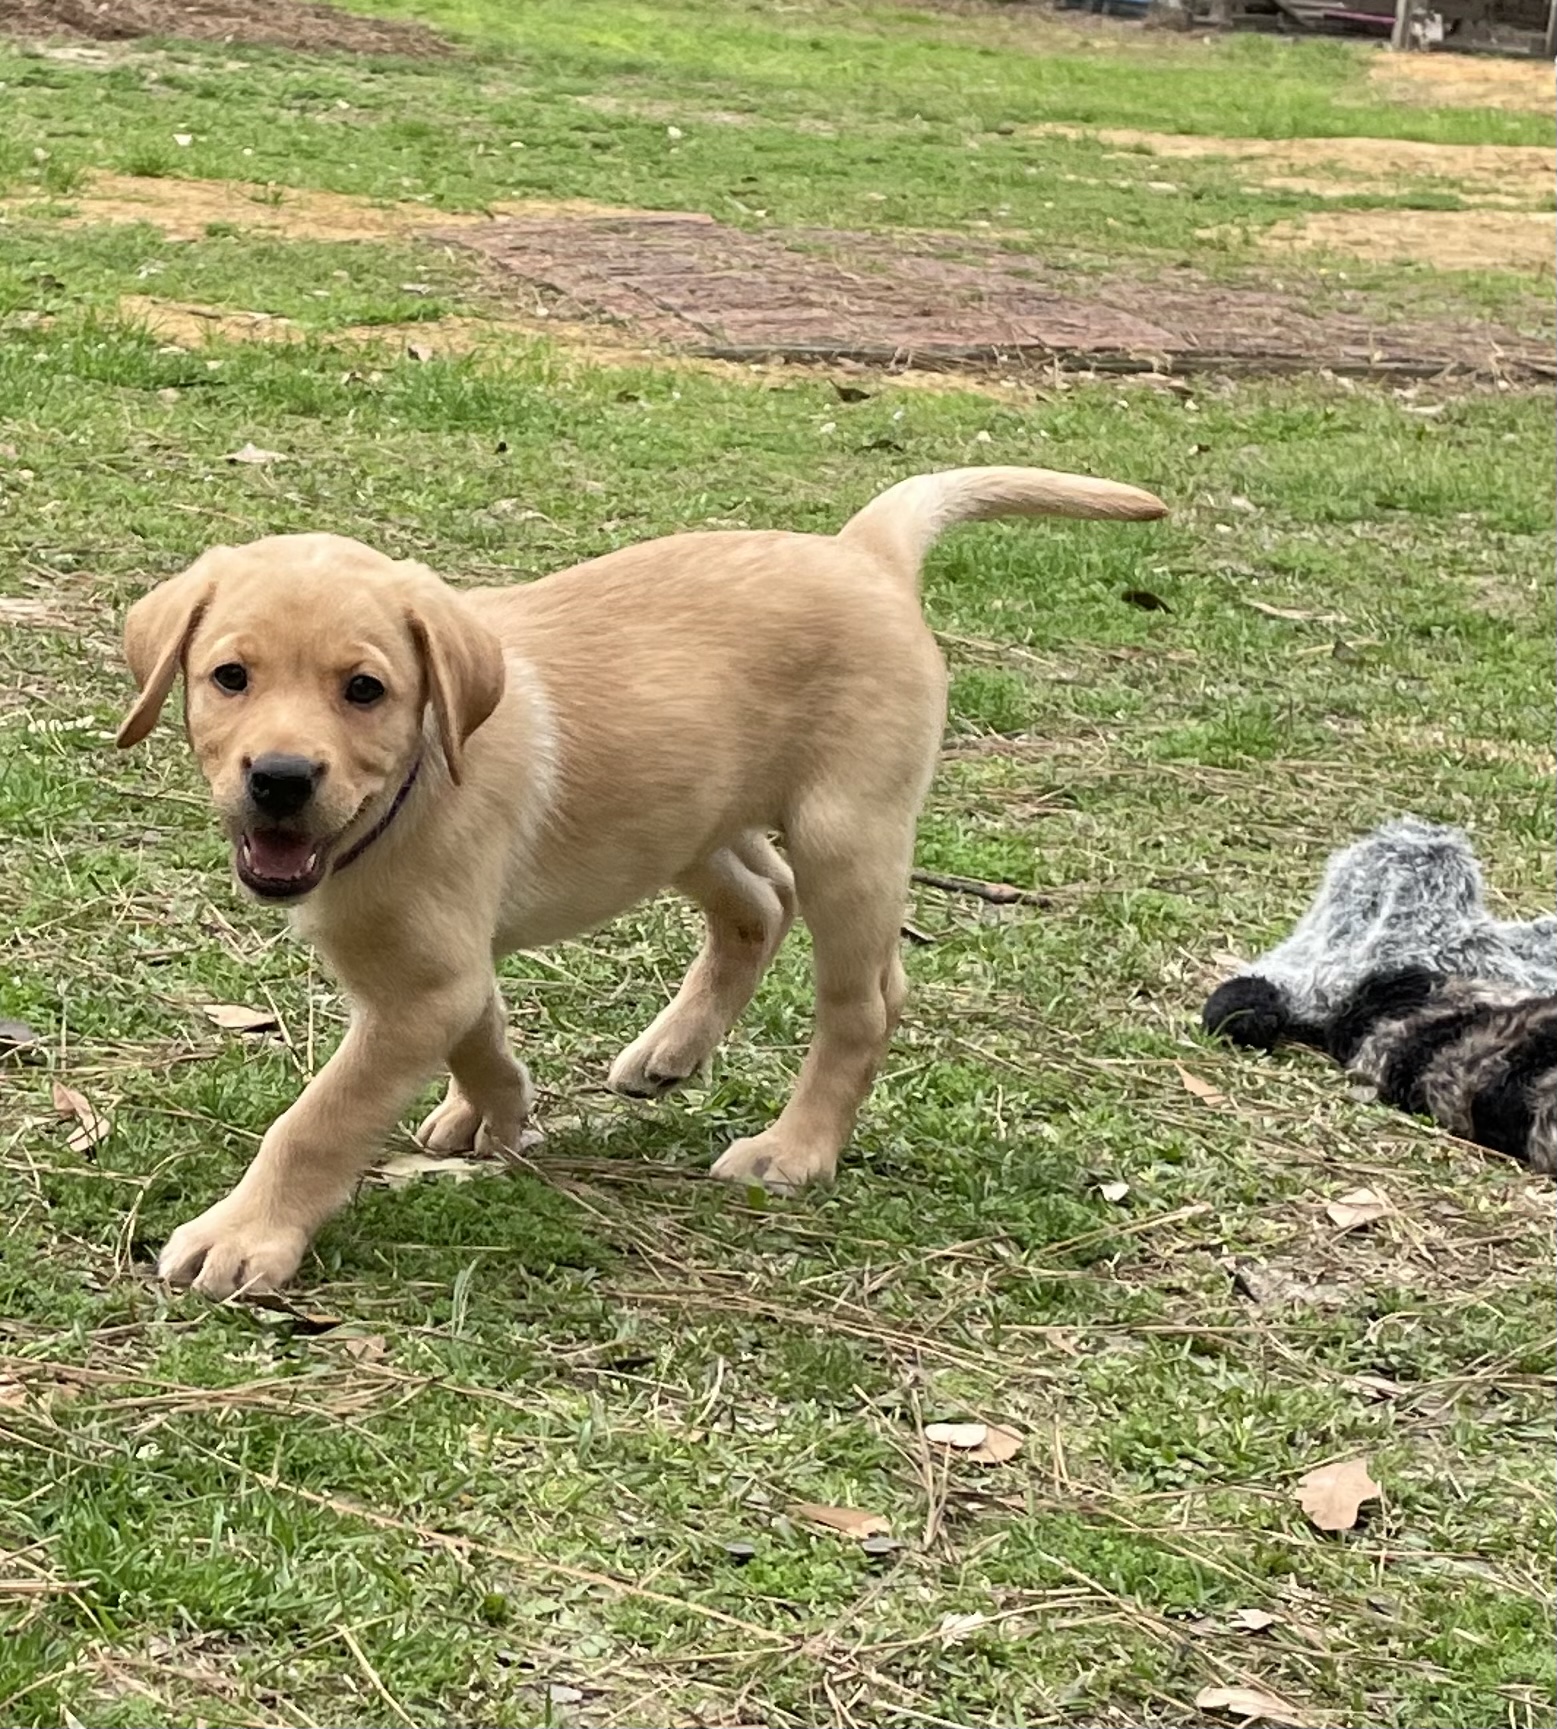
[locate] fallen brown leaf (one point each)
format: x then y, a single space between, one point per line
1200 1089
14 1395
365 1347
1332 1496
1375 1386
979 1443
1251 1620
16 1036
953 1629
1276 1287
235 1018
92 1126
302 1320
956 1434
851 1521
1250 1705
405 1168
1358 1207
419 351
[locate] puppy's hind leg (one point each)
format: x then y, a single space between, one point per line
851 870
747 894
488 1104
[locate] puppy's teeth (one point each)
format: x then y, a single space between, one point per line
313 859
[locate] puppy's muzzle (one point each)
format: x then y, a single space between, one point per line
279 855
279 786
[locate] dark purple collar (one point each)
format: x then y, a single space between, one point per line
359 847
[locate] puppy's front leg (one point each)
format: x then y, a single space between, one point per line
310 1160
487 1107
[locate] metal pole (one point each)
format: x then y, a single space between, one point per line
1400 36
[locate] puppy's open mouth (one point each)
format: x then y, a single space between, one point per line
279 866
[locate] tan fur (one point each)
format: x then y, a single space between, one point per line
641 721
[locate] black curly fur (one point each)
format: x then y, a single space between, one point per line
1254 1013
1386 996
1478 1063
1478 1059
1502 1116
1398 971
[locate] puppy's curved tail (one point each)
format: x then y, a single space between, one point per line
901 526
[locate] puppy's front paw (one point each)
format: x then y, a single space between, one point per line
452 1128
232 1249
506 1141
657 1063
774 1163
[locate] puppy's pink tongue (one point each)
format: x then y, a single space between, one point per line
282 856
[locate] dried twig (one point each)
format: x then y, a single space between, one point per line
349 1639
997 894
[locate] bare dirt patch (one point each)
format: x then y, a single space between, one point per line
1467 81
187 324
1519 240
1487 174
296 24
940 301
191 325
689 114
186 209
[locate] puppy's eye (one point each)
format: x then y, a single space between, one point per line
231 677
363 689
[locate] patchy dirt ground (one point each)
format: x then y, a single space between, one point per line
1510 175
684 281
1467 81
189 324
1523 240
297 24
933 300
184 209
1511 226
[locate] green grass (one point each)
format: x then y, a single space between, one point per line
854 116
522 1449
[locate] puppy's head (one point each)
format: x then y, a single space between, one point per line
310 664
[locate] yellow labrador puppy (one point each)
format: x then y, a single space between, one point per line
432 779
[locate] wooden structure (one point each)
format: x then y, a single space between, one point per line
1427 23
1490 26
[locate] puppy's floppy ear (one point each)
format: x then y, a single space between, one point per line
462 662
157 630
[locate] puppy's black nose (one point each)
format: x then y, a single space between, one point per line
281 785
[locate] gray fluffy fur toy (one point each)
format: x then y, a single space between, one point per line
1398 970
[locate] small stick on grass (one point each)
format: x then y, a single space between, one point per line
997 894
